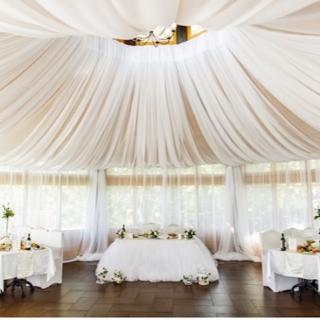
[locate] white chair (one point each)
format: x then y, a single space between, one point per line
145 228
269 240
295 233
292 233
309 233
54 241
174 228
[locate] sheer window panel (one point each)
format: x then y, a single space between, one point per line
73 206
192 197
12 195
291 194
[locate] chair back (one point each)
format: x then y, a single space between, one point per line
150 226
174 228
270 240
309 233
292 233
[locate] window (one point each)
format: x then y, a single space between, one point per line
48 200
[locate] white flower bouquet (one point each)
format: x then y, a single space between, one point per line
153 234
121 233
187 280
118 277
102 276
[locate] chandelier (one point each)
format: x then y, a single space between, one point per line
160 35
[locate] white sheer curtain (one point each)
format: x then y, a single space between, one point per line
229 206
95 238
48 200
193 197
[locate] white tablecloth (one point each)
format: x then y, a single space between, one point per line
283 268
25 264
157 260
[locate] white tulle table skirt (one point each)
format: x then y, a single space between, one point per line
157 260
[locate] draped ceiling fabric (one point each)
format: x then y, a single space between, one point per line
71 97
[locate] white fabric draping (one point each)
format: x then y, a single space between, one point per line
43 199
85 102
228 206
193 197
71 98
127 18
95 238
46 200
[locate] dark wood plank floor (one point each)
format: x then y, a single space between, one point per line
238 293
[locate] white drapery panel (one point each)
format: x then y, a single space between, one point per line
228 207
193 197
95 237
85 102
48 200
126 18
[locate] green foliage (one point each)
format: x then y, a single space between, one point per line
317 216
7 212
189 234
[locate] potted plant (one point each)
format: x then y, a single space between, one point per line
7 213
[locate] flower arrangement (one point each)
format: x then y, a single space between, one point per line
310 247
121 233
118 277
102 276
7 213
203 278
153 234
187 279
189 234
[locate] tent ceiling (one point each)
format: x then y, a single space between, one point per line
71 97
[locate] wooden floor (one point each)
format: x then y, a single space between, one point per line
238 293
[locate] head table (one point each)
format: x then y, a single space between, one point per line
158 259
26 264
284 268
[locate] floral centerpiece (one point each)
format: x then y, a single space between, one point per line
7 213
310 247
203 278
189 234
121 233
187 280
118 277
102 276
153 234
